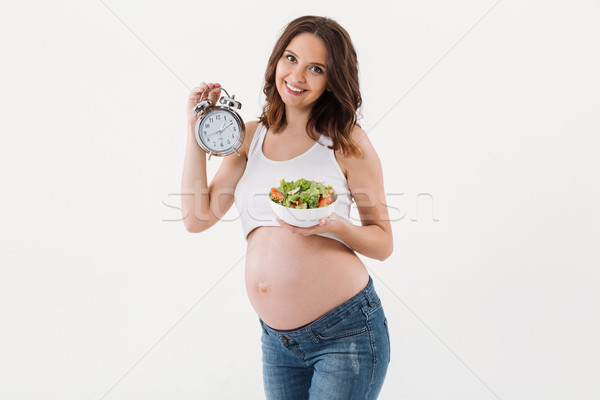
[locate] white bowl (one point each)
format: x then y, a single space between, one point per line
301 217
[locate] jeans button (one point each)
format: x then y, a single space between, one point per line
284 339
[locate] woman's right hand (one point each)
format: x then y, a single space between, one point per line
214 94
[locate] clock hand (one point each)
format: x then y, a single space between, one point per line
220 130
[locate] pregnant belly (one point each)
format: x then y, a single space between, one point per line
291 280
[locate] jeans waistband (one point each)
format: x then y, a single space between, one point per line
366 298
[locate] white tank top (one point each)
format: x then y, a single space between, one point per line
261 174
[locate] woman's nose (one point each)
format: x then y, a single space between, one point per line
298 74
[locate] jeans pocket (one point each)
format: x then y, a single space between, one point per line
351 325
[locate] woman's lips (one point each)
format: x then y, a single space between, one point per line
290 91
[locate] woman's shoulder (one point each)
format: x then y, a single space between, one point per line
368 153
358 136
252 125
251 128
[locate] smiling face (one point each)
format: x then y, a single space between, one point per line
301 71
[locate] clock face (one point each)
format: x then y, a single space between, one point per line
219 130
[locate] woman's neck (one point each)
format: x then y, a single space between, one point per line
296 121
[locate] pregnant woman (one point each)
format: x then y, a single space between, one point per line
324 331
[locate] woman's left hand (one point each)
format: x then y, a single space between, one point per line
326 225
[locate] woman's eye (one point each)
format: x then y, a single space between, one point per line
291 58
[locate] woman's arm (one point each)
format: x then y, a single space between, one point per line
365 181
195 199
369 240
204 204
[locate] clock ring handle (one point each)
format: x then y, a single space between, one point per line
230 101
218 87
227 100
204 104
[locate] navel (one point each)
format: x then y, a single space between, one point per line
263 287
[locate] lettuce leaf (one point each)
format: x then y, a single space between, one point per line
302 190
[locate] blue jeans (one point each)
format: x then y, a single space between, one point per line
342 355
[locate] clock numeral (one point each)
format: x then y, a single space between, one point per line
218 117
234 129
211 119
207 125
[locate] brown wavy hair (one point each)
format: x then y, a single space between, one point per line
335 113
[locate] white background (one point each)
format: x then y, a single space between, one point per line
491 292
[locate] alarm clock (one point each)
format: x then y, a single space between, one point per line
219 129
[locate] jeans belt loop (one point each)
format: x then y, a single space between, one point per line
368 298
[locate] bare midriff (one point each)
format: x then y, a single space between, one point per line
292 280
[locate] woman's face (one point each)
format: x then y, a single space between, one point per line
302 66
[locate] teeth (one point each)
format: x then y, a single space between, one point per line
293 88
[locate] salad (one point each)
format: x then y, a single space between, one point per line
302 194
